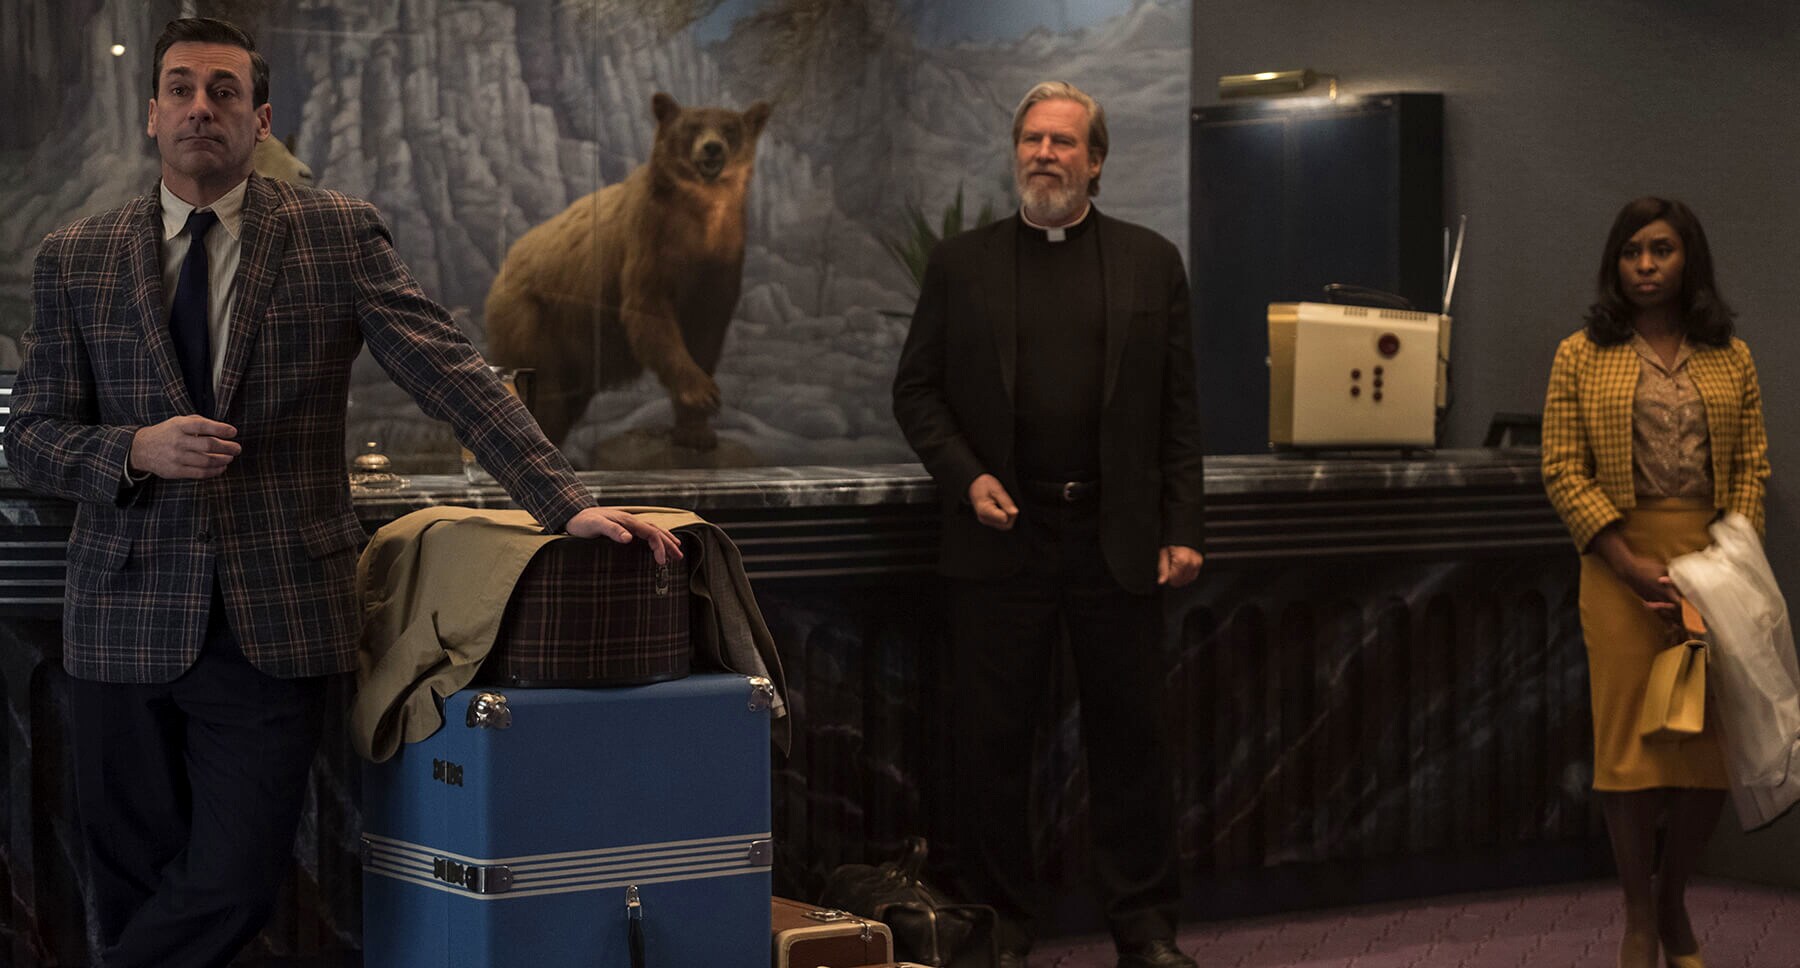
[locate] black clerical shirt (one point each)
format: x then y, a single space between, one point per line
1061 353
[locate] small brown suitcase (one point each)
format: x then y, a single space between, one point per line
592 612
807 936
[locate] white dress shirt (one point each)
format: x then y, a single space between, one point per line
224 247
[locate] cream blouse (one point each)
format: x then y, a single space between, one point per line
1671 454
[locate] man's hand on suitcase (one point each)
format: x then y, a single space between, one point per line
622 526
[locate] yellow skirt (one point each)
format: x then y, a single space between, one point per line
1622 637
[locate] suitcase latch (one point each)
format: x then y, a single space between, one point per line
488 710
474 878
762 853
762 693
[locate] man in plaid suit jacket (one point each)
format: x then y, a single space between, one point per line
211 571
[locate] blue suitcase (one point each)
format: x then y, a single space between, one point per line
541 828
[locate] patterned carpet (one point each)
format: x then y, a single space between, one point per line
1567 926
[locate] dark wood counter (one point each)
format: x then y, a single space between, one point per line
1378 689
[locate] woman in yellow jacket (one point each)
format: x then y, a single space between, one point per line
1653 426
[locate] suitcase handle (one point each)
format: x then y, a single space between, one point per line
634 919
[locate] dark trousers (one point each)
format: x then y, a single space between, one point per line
189 793
1004 633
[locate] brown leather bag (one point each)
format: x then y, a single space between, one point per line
928 927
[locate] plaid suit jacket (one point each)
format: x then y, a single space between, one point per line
317 279
1587 431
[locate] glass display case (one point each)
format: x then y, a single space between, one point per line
520 153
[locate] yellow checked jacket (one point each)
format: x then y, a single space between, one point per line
1587 431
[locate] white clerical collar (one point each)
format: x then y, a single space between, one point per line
1059 232
229 207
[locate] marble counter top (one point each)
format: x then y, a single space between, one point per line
1511 467
881 519
711 490
908 484
787 487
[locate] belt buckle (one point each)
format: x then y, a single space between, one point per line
1069 491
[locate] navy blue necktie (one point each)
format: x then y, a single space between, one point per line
187 317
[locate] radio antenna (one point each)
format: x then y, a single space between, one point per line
1462 228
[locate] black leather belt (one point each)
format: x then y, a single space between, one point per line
1068 492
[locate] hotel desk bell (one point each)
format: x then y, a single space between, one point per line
1373 374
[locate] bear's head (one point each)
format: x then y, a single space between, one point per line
701 144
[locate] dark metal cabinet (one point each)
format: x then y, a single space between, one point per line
1288 197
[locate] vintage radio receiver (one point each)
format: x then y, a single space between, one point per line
1355 376
1360 376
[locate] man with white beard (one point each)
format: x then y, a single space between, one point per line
1050 360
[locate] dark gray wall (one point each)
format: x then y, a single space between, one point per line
1556 114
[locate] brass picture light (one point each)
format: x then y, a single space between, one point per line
1275 83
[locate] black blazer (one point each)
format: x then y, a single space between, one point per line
953 397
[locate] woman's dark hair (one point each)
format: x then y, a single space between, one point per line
205 30
1705 316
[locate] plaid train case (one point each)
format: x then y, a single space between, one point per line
593 613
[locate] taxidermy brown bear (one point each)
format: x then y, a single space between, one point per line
640 275
275 159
